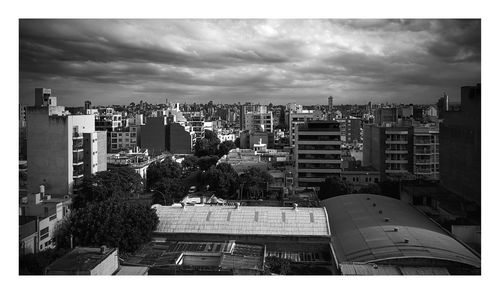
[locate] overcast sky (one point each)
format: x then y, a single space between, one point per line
278 61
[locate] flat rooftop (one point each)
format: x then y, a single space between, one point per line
245 220
80 259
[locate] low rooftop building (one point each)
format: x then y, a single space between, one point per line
86 261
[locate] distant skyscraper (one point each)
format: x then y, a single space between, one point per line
330 103
88 105
43 97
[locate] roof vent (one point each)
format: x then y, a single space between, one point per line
183 205
374 204
407 241
103 249
387 219
375 266
396 229
295 206
237 205
380 211
368 198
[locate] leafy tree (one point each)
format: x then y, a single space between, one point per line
206 162
276 265
225 146
160 170
172 189
208 145
255 182
333 186
222 179
120 182
190 164
112 222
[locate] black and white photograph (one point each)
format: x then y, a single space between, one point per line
250 146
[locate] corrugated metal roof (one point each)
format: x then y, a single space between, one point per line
246 220
367 228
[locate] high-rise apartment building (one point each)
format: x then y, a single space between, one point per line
259 121
426 152
298 117
317 152
460 146
397 150
55 150
350 130
330 103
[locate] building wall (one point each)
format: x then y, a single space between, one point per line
108 266
49 152
153 135
460 147
178 139
317 152
102 154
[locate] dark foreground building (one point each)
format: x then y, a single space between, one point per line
460 146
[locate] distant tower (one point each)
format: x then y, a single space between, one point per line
88 105
330 103
446 101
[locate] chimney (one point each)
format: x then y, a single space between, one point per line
295 206
103 249
237 205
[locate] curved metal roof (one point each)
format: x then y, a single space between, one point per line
370 228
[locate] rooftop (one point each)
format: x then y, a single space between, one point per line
80 259
245 220
369 228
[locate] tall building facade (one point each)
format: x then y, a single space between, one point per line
55 150
350 130
298 117
317 152
397 150
426 152
330 103
259 121
460 146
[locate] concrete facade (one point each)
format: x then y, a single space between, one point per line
179 141
153 135
53 143
317 152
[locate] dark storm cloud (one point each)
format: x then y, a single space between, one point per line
301 60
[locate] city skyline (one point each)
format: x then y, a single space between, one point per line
261 61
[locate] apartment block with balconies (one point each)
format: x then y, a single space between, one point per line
317 152
55 150
426 152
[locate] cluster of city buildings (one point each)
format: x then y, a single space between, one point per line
423 148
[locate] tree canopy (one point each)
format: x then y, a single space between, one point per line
225 146
116 183
112 222
223 180
333 186
208 145
160 170
254 182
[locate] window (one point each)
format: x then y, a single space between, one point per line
44 231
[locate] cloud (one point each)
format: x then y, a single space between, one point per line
275 60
